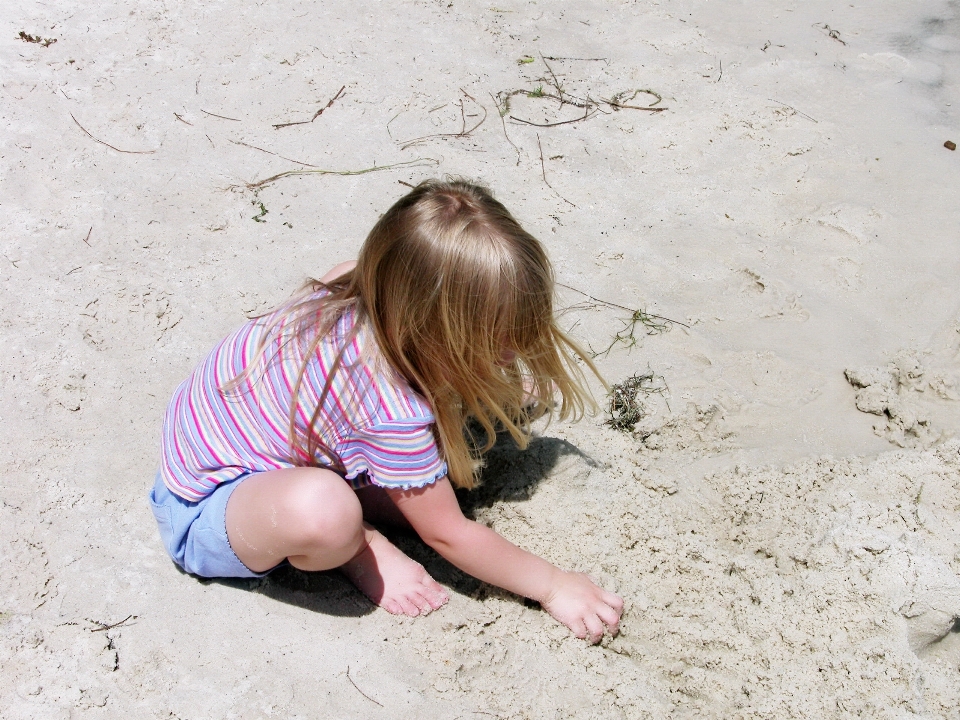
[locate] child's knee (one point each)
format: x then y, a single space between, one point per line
325 510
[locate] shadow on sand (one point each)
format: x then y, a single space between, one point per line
510 475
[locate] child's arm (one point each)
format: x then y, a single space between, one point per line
569 597
339 270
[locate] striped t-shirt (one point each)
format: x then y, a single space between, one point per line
381 430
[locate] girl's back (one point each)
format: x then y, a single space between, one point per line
371 419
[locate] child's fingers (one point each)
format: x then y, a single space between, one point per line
610 618
613 600
594 629
578 628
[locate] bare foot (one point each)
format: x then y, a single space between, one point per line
392 580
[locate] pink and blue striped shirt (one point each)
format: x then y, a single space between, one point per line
381 429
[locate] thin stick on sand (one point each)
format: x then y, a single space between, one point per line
589 105
587 114
222 117
102 626
620 307
793 108
504 124
618 101
464 132
603 60
270 152
543 171
419 162
316 114
129 152
359 690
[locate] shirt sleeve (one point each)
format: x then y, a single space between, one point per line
396 454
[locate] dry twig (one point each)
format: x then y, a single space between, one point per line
587 113
105 626
419 162
589 105
619 101
504 124
543 170
316 114
792 108
464 132
270 152
831 33
558 59
359 690
129 152
222 117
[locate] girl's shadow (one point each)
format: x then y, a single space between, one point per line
510 475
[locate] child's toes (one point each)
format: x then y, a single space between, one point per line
432 589
424 605
392 607
435 597
408 606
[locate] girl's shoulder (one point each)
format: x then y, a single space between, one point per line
388 397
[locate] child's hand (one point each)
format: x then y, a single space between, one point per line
583 607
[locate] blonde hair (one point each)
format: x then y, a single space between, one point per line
459 298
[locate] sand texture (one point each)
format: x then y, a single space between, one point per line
782 515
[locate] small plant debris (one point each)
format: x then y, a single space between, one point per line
464 132
654 324
102 626
550 88
626 408
418 162
831 33
526 60
627 336
112 147
317 114
46 42
950 145
263 212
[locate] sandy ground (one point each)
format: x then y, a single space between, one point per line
783 521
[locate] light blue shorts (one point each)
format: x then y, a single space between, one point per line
195 533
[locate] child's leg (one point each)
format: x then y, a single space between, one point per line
313 518
379 509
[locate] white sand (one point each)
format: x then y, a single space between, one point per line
794 205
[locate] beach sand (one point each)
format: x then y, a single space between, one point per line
783 519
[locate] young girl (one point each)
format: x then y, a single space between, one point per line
349 406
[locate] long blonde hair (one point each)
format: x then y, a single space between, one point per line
459 299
